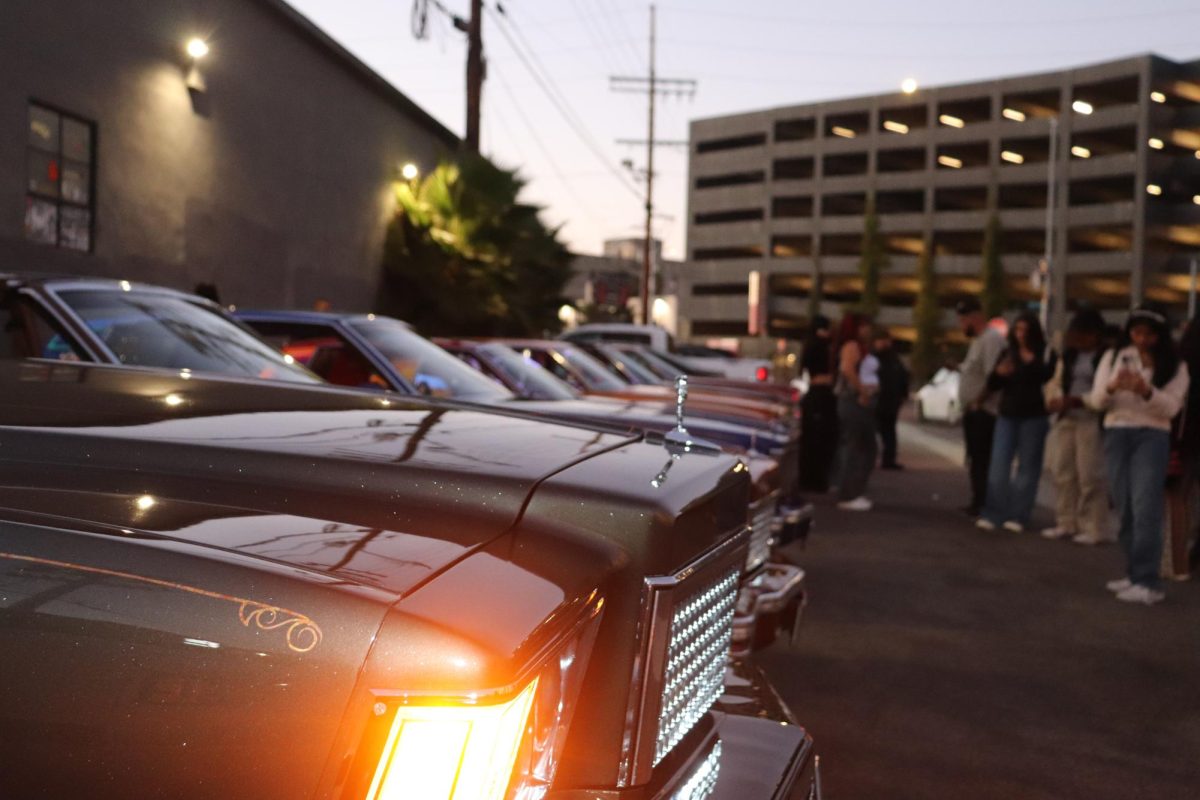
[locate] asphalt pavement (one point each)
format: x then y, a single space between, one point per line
939 661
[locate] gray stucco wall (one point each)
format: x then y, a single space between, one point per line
280 195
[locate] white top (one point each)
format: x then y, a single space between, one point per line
1128 410
868 370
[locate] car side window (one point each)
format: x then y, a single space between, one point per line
30 332
323 350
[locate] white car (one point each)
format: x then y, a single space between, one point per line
938 399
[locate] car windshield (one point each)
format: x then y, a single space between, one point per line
595 375
525 376
427 367
150 329
630 369
662 369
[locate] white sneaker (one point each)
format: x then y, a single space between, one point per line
1057 533
857 504
985 524
1119 585
1091 539
1014 526
1141 594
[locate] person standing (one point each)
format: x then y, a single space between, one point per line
1020 376
1141 387
818 420
1183 480
857 394
893 392
978 403
1076 446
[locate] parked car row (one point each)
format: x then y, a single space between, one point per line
318 555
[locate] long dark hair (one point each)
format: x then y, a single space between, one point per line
1035 339
1164 353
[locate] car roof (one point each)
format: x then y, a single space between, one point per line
312 317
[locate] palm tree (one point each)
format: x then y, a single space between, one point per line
464 256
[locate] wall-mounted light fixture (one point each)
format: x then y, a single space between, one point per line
410 171
196 50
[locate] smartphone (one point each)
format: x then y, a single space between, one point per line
1128 363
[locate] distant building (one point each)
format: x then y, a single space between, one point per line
264 167
633 248
782 192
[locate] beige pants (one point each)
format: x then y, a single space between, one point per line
1077 464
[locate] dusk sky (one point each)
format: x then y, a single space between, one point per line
745 55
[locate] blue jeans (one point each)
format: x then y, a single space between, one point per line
1137 471
1011 499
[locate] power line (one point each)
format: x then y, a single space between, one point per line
536 138
559 101
638 62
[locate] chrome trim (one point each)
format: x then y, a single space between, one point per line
647 682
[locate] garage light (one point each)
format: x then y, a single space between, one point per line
1154 189
197 48
894 127
1081 152
953 122
1012 158
1013 114
1158 97
845 133
1196 199
1156 144
1082 107
950 161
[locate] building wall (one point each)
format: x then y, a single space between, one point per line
783 191
279 193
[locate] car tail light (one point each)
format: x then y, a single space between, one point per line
761 374
453 753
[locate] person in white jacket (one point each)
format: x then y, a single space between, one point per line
1140 386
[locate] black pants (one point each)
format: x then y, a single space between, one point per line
978 427
886 418
818 438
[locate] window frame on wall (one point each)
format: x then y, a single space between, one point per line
61 161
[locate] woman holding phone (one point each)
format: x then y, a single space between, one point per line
1019 376
1141 386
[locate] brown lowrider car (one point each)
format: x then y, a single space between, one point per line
221 588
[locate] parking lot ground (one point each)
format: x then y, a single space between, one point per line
939 661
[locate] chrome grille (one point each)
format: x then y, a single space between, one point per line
761 514
698 646
700 784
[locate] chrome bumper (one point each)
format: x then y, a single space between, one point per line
773 598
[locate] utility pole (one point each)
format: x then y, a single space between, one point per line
652 86
1051 200
475 75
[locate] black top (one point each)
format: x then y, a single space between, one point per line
893 381
1021 392
817 358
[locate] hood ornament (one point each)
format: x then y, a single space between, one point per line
677 440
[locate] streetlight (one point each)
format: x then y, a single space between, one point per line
196 48
909 85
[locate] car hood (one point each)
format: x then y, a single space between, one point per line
383 491
632 415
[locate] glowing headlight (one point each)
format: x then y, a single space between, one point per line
452 753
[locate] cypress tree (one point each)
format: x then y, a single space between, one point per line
994 293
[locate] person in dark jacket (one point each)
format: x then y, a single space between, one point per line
1183 485
818 422
1021 426
893 392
